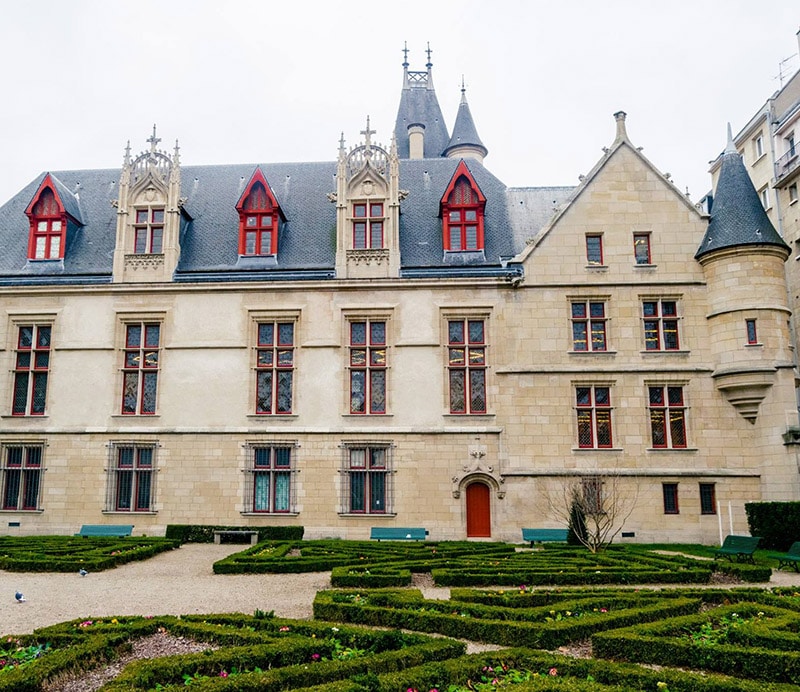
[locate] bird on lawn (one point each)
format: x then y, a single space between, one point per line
19 596
82 572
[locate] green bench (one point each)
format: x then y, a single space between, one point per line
380 533
792 557
116 530
739 548
544 535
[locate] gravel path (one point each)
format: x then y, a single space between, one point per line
174 583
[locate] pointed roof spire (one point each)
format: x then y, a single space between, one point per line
465 140
737 215
420 106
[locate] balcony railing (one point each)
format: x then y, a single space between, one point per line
787 163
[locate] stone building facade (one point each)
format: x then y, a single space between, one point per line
392 338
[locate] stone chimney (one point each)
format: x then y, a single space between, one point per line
416 141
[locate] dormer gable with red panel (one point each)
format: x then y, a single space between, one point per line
49 221
260 217
462 211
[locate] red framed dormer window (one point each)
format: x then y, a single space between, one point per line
259 218
48 221
462 207
368 225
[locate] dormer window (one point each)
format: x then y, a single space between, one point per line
149 231
368 225
259 217
48 224
462 213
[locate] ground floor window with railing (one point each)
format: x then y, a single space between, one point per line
21 473
366 472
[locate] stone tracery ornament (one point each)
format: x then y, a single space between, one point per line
478 470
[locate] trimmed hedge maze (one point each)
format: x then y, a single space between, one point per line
364 564
245 653
69 553
744 633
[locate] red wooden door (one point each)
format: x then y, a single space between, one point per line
479 518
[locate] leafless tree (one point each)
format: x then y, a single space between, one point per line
595 506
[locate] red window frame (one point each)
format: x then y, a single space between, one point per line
259 218
462 208
660 321
272 480
669 492
593 407
589 325
22 477
31 369
667 417
140 368
148 231
641 248
751 331
133 473
368 473
466 362
275 362
368 364
48 224
708 498
368 225
594 249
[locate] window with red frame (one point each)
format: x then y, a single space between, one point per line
708 498
593 405
368 225
271 475
594 250
752 333
588 325
667 417
463 218
366 480
140 368
48 228
641 248
131 478
368 367
31 370
148 231
21 474
259 223
274 367
670 493
466 347
660 325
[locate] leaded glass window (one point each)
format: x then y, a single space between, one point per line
274 367
368 362
466 360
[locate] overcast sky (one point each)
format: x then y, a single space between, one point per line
248 81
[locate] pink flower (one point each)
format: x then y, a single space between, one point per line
603 610
315 657
553 671
283 629
223 674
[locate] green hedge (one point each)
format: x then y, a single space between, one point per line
201 533
374 578
543 627
778 523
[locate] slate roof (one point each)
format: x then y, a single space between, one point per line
419 105
737 216
306 242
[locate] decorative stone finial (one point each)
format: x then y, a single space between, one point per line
405 54
429 64
126 161
153 140
368 135
730 147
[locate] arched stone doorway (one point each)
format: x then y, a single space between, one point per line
479 510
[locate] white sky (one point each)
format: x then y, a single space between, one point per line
247 81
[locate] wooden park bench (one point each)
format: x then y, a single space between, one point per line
115 530
544 535
219 534
386 533
739 548
792 557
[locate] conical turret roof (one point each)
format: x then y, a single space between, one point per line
420 106
737 215
464 131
